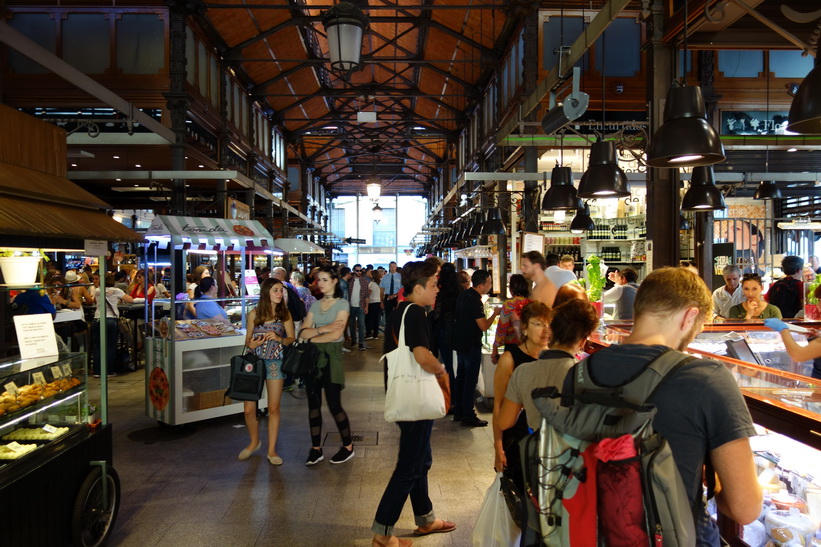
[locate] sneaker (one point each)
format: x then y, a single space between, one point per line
362 347
288 389
96 375
345 350
314 456
370 337
343 455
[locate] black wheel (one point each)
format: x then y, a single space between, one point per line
92 521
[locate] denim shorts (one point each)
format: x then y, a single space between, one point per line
274 369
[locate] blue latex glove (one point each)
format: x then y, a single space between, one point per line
775 324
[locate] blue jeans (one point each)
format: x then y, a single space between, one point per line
410 478
357 320
467 377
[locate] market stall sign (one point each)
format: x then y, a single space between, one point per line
754 122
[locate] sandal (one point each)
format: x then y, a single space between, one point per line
446 527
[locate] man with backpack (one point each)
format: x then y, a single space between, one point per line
699 412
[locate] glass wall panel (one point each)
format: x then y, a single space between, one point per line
622 57
190 57
38 27
552 31
141 43
740 63
202 70
214 77
87 42
790 64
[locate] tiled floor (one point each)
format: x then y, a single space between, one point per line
191 490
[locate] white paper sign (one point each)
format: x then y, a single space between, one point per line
96 248
67 370
56 372
48 428
251 283
15 446
35 335
39 378
11 387
532 242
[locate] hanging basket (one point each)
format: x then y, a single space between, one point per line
19 271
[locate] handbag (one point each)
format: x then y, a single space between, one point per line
495 526
247 377
513 500
413 393
299 360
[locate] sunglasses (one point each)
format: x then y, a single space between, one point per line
357 271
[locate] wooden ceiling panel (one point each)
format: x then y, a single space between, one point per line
234 26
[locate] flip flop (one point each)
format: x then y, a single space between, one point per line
446 527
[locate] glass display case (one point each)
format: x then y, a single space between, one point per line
43 400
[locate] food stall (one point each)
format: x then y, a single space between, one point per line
57 480
187 360
785 405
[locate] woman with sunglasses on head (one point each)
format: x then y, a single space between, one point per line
142 286
324 326
535 334
206 308
754 306
271 328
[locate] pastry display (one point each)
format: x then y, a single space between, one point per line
34 434
29 394
8 453
192 329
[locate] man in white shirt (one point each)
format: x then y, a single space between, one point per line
558 275
730 294
623 292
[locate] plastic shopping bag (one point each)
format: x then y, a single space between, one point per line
495 526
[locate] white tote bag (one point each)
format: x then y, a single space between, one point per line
413 394
495 526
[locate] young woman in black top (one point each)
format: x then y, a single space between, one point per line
410 477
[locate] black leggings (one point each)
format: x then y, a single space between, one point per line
333 396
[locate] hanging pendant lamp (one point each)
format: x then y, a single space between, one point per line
561 195
703 195
686 138
344 25
603 178
478 222
494 225
767 189
805 111
582 222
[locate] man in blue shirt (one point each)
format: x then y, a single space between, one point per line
390 283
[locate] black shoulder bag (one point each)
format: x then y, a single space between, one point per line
247 377
300 359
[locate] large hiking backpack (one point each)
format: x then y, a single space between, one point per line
596 473
296 306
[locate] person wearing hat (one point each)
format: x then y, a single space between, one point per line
79 293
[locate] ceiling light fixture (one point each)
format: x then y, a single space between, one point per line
686 138
582 222
603 178
805 111
573 106
494 225
377 213
477 224
344 25
767 189
703 195
561 195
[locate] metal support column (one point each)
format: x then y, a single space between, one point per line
703 226
662 184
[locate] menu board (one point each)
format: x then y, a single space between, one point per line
532 242
251 283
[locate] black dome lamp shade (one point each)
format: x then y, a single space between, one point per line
494 225
603 178
767 189
703 195
582 222
805 111
561 195
478 222
686 138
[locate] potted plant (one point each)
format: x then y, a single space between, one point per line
90 411
19 266
595 282
811 311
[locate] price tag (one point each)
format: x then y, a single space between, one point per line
67 370
39 378
14 446
48 428
11 387
56 372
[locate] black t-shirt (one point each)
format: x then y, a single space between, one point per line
466 332
417 327
787 295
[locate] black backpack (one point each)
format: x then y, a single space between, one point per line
296 306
